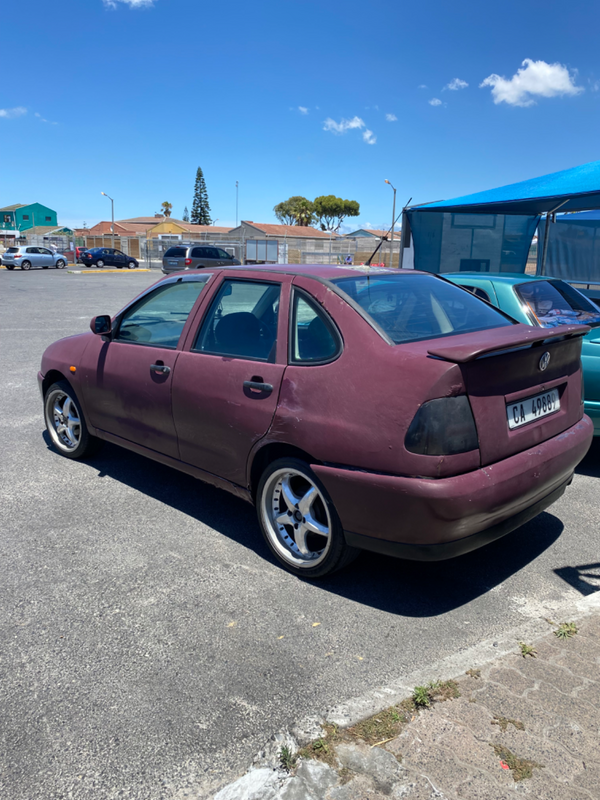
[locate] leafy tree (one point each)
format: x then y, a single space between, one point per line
296 210
330 211
200 208
166 208
186 215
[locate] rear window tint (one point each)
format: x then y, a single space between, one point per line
175 252
556 303
12 250
414 307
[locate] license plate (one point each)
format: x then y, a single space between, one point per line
532 408
173 263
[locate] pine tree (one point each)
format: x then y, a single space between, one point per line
186 215
200 207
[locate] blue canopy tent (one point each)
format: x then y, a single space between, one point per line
492 230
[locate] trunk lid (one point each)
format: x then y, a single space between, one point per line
509 367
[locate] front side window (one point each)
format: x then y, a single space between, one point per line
223 253
242 321
409 308
556 303
315 340
158 319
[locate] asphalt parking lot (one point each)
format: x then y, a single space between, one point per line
149 642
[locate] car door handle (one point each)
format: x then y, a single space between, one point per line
162 369
258 386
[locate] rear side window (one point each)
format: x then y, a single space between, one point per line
314 338
409 308
242 321
556 303
175 252
478 292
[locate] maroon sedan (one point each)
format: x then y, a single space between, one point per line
357 408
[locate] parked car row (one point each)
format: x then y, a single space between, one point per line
356 408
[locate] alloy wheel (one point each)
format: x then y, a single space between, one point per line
296 518
63 420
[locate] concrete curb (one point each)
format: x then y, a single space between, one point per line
357 709
105 271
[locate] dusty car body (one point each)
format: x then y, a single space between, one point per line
345 403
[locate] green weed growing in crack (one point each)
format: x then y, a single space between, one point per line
527 650
521 768
566 630
504 722
420 696
287 759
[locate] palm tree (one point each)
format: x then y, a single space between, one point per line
166 208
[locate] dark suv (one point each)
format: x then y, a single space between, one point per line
196 256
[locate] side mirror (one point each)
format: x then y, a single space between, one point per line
101 325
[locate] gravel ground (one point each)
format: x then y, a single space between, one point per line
150 642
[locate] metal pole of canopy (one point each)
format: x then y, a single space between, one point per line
545 250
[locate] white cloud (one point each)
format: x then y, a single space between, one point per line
455 85
391 117
130 3
343 126
11 113
594 85
369 137
39 116
534 79
422 86
303 109
435 102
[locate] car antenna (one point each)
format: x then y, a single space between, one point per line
384 238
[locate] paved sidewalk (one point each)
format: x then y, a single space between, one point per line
521 725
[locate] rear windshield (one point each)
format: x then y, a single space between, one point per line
556 303
12 249
413 307
175 252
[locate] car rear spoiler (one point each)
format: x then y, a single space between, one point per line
469 346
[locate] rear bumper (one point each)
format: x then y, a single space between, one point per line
592 409
427 519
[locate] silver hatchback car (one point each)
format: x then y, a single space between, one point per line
196 256
32 258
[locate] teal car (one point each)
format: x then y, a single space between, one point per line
545 302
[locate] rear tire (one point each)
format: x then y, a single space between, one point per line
10 266
65 423
26 265
299 521
99 263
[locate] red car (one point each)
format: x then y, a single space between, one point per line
356 408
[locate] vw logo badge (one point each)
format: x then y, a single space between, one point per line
544 361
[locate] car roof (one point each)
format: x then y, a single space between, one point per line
319 271
498 277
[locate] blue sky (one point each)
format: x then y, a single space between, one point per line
305 98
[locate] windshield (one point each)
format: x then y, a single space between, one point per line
413 307
556 303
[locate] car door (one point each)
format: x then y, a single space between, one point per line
46 257
224 259
127 380
199 257
32 254
228 377
120 259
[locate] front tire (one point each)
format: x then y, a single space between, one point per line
65 423
60 264
131 265
299 521
26 265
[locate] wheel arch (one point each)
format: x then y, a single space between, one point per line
271 452
53 376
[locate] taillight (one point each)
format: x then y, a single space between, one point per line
18 255
188 261
443 427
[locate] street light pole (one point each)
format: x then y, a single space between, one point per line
112 211
393 223
237 185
